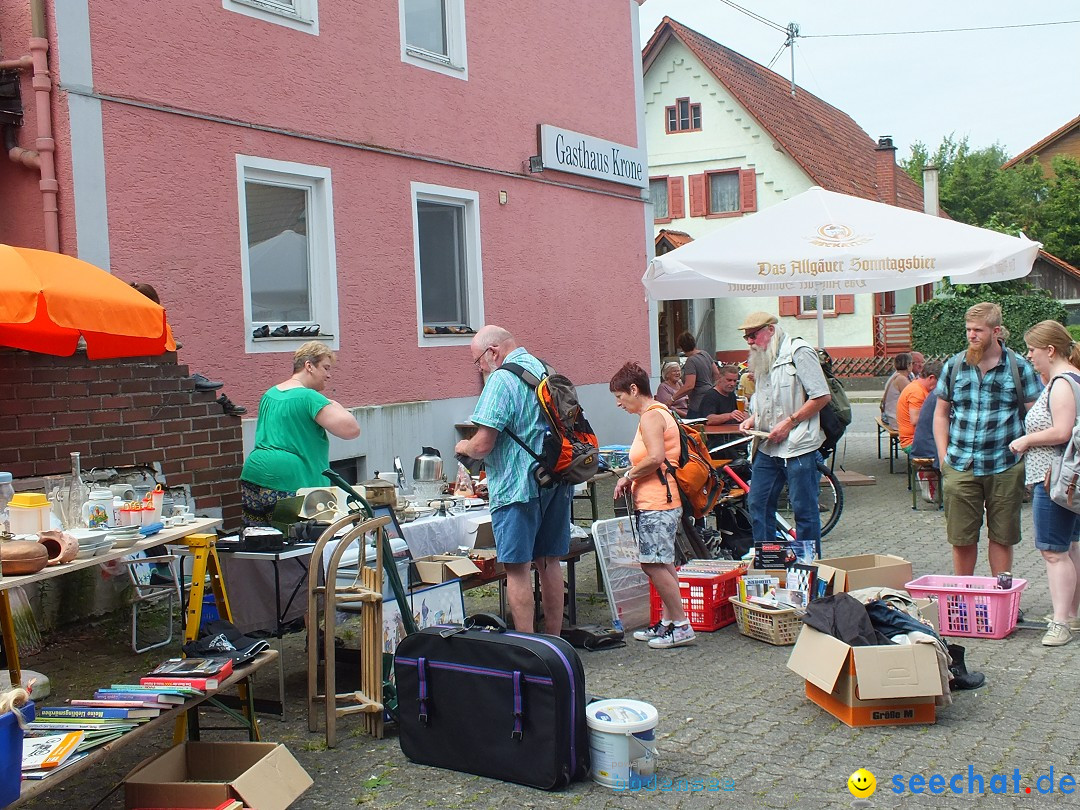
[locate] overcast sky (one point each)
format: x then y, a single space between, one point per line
1012 86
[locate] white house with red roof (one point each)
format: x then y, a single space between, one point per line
728 137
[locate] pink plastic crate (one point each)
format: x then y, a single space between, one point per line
971 606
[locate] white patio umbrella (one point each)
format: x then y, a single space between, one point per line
824 243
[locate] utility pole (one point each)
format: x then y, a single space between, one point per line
793 33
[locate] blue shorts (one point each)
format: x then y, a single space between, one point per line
1056 527
537 528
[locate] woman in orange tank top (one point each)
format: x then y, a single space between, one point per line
656 513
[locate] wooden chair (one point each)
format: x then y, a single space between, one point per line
368 592
925 465
894 441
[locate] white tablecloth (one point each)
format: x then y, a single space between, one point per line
439 535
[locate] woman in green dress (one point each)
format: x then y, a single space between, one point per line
291 444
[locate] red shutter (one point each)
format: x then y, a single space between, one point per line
698 195
789 305
845 304
748 190
676 209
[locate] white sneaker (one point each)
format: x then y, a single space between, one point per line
1073 623
649 633
1057 634
673 635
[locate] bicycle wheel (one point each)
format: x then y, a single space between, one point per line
830 501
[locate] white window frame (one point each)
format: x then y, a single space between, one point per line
424 192
303 16
456 62
323 253
831 310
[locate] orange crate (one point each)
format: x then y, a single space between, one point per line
704 598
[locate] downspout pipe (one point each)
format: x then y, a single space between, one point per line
46 146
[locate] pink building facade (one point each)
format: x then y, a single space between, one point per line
370 168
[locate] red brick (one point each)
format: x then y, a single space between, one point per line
176 398
169 439
71 389
36 421
164 385
84 404
137 414
103 448
115 403
47 405
198 464
77 418
12 407
142 443
50 375
148 428
120 373
104 387
35 452
132 386
146 400
195 437
53 467
118 431
21 469
109 417
53 436
167 415
84 374
86 434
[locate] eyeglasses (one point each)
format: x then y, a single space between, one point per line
752 336
476 362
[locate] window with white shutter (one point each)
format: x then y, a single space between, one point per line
300 15
433 35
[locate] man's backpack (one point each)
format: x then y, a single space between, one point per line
958 359
570 453
1063 477
698 483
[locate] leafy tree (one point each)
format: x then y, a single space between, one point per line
1059 216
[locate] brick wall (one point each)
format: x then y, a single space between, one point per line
139 411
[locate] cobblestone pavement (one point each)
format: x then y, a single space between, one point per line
731 710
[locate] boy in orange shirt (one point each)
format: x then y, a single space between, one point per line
911 401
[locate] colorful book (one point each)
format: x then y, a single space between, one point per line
184 690
116 704
144 696
41 773
204 684
219 668
51 751
84 713
53 727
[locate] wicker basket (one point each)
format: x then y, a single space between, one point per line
779 627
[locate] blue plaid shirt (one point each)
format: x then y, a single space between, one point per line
986 413
507 401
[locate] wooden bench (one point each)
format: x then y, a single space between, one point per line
894 441
924 465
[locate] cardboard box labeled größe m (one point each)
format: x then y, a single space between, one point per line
888 684
205 774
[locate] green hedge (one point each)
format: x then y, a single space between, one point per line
937 327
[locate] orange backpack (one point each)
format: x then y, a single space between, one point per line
698 483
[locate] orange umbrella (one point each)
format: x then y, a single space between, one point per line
48 300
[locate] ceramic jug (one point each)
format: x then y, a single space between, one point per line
97 511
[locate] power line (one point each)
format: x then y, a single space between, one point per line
755 16
937 30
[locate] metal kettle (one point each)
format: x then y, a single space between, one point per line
428 465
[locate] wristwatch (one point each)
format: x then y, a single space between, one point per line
794 421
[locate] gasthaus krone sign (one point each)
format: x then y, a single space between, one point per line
567 151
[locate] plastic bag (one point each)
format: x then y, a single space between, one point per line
464 484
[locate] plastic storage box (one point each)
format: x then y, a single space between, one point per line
779 627
11 748
704 598
971 606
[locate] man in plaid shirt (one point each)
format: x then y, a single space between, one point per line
974 421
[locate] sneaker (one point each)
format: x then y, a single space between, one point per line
1057 634
1073 623
202 383
673 635
649 633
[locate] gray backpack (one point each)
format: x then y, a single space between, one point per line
1063 477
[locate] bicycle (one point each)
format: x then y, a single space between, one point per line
737 474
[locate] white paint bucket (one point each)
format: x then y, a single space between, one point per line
622 742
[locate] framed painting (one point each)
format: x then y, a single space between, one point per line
435 604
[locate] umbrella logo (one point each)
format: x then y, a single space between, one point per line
837 236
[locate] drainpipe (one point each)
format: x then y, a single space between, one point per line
42 158
930 193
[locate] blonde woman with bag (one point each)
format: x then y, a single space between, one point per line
1049 425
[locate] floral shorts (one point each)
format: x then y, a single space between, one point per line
656 534
258 503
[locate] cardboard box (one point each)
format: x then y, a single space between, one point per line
864 571
485 560
438 568
882 685
479 529
928 609
205 774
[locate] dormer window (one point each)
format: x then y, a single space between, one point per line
682 116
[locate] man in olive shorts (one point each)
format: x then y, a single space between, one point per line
980 409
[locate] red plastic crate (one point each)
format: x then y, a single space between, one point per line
974 607
704 598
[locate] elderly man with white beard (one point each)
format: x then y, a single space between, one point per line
791 390
983 395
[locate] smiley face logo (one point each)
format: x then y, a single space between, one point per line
862 784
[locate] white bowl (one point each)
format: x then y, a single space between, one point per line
88 536
123 540
104 548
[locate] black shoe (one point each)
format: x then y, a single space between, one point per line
961 678
261 331
204 384
230 407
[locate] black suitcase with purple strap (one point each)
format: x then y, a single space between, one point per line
492 702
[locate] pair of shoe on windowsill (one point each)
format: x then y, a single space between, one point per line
264 331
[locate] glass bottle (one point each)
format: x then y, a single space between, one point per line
7 492
76 496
